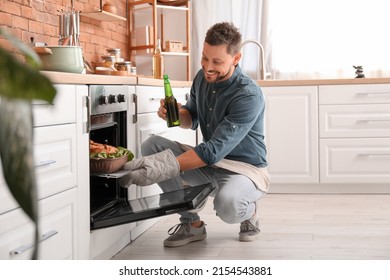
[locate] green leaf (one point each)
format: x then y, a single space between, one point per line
19 84
18 80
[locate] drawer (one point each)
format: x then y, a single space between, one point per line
63 109
55 158
57 230
149 97
354 120
355 160
355 94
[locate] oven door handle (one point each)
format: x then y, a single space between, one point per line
87 123
135 116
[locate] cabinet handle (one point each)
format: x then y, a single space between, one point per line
158 133
154 99
135 116
24 248
45 162
373 154
373 121
373 93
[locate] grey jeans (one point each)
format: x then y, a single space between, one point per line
234 194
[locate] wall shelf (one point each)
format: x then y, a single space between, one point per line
149 20
103 16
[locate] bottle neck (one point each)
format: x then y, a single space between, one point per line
157 50
168 90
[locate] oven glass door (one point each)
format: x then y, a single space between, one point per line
122 211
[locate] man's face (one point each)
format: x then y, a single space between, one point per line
217 64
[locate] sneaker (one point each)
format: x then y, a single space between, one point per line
249 229
183 233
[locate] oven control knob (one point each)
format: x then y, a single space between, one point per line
121 98
111 99
102 99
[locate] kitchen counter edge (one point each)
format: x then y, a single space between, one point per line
91 79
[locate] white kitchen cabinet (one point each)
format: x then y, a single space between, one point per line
82 167
58 171
354 94
55 158
57 230
352 121
291 134
354 134
355 160
107 242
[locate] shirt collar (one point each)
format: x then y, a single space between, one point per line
227 82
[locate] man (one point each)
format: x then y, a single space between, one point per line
229 108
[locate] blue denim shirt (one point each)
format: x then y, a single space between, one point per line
231 118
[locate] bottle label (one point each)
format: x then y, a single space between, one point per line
172 112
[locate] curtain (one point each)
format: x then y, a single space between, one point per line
250 16
325 39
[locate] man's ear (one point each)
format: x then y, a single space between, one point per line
236 58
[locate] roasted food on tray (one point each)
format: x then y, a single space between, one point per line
107 159
104 151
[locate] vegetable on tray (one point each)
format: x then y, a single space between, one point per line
105 151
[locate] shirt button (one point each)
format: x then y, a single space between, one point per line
213 91
208 125
210 109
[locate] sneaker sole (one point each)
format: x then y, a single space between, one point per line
178 243
248 238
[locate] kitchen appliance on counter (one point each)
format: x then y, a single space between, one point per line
110 200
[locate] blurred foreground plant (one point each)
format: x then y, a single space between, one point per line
20 83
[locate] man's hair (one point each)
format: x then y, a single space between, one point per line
224 33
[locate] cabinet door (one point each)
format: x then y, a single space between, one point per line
82 168
61 111
362 120
354 94
291 133
55 158
57 228
355 160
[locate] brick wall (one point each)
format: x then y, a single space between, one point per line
39 19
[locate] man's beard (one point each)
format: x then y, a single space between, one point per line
218 76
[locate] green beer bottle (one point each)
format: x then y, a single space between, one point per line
170 104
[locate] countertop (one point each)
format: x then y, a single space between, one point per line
89 79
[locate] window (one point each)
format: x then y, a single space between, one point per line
325 39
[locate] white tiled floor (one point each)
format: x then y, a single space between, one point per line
294 227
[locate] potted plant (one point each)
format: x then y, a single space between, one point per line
20 83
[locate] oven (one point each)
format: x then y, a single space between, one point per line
113 118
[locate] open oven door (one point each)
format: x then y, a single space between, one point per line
122 211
